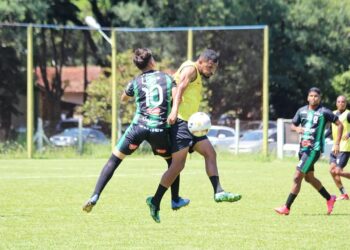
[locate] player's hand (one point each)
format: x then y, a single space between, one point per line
336 149
172 118
345 137
299 130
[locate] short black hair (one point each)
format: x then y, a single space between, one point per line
141 58
210 55
315 89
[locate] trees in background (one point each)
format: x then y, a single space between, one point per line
309 44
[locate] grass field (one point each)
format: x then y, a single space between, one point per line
40 207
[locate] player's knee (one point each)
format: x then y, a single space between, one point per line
178 164
333 171
307 179
118 154
297 179
210 154
337 171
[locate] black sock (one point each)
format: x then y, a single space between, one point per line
175 186
290 200
215 182
158 196
342 190
107 173
324 193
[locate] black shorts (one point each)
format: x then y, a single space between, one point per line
135 134
181 137
341 159
307 160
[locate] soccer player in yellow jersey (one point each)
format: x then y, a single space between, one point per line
186 102
338 162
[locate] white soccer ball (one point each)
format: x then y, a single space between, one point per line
199 124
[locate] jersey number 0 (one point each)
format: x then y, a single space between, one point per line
154 95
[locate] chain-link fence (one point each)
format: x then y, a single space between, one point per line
72 77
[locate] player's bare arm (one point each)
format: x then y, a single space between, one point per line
188 74
297 129
337 140
347 135
173 93
124 98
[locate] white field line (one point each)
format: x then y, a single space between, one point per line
84 176
64 176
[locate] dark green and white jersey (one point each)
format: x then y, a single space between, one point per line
152 91
314 123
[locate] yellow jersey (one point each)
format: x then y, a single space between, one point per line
344 144
192 95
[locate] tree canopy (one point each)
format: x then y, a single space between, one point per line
309 43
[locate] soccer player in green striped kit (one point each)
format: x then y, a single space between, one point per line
310 122
153 91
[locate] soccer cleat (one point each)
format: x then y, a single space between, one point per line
227 196
87 207
330 204
153 210
182 202
343 197
282 210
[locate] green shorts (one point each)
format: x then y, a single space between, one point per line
307 160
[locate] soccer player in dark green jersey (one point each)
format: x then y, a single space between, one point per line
153 92
310 122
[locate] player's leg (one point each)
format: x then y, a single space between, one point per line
302 167
177 164
177 201
105 175
160 143
128 143
342 161
296 186
180 139
334 171
310 178
316 183
204 147
337 171
335 176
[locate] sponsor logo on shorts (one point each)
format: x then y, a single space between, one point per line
161 151
306 143
133 146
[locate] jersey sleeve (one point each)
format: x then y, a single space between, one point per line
330 116
173 84
296 119
129 90
328 132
